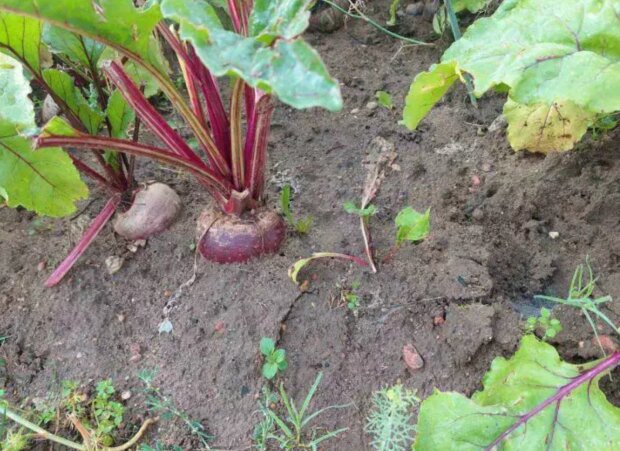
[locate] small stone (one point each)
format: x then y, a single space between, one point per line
371 106
126 395
412 358
487 167
355 111
478 214
475 181
41 266
554 235
606 342
415 9
135 353
79 355
220 327
120 317
438 320
114 264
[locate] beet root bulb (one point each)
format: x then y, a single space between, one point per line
232 239
154 209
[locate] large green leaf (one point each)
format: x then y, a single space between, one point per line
547 50
117 23
290 68
20 37
78 48
64 87
43 181
581 420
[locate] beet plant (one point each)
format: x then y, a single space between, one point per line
65 67
557 61
260 52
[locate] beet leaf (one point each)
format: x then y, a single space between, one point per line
533 400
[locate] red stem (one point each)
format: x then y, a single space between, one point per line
89 236
235 16
606 365
217 185
255 152
84 168
149 115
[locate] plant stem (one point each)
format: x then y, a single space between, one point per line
255 152
456 33
364 17
606 365
89 236
206 175
40 431
236 147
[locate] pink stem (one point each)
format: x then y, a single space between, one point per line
149 115
608 364
255 152
88 171
89 236
235 16
205 175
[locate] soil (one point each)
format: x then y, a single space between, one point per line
459 297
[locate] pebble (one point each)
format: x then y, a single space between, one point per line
554 235
415 9
478 214
355 111
475 181
41 266
114 264
126 395
412 357
487 167
372 106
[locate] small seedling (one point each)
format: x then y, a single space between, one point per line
412 226
168 411
95 419
549 326
385 100
389 422
301 226
393 10
266 426
580 296
292 433
350 297
603 125
275 359
366 212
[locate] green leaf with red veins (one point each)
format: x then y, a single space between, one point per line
42 181
290 68
116 23
525 404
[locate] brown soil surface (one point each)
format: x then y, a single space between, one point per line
488 254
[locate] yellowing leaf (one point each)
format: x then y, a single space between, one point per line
426 90
546 128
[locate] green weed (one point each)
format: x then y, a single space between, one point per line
275 359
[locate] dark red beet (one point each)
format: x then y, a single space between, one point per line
233 239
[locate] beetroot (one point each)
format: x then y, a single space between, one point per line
153 210
226 238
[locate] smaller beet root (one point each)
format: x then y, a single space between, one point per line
233 239
153 210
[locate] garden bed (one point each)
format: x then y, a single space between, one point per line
459 297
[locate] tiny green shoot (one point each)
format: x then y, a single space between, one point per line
385 100
366 212
580 295
393 9
412 225
168 411
291 432
549 326
275 359
301 226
